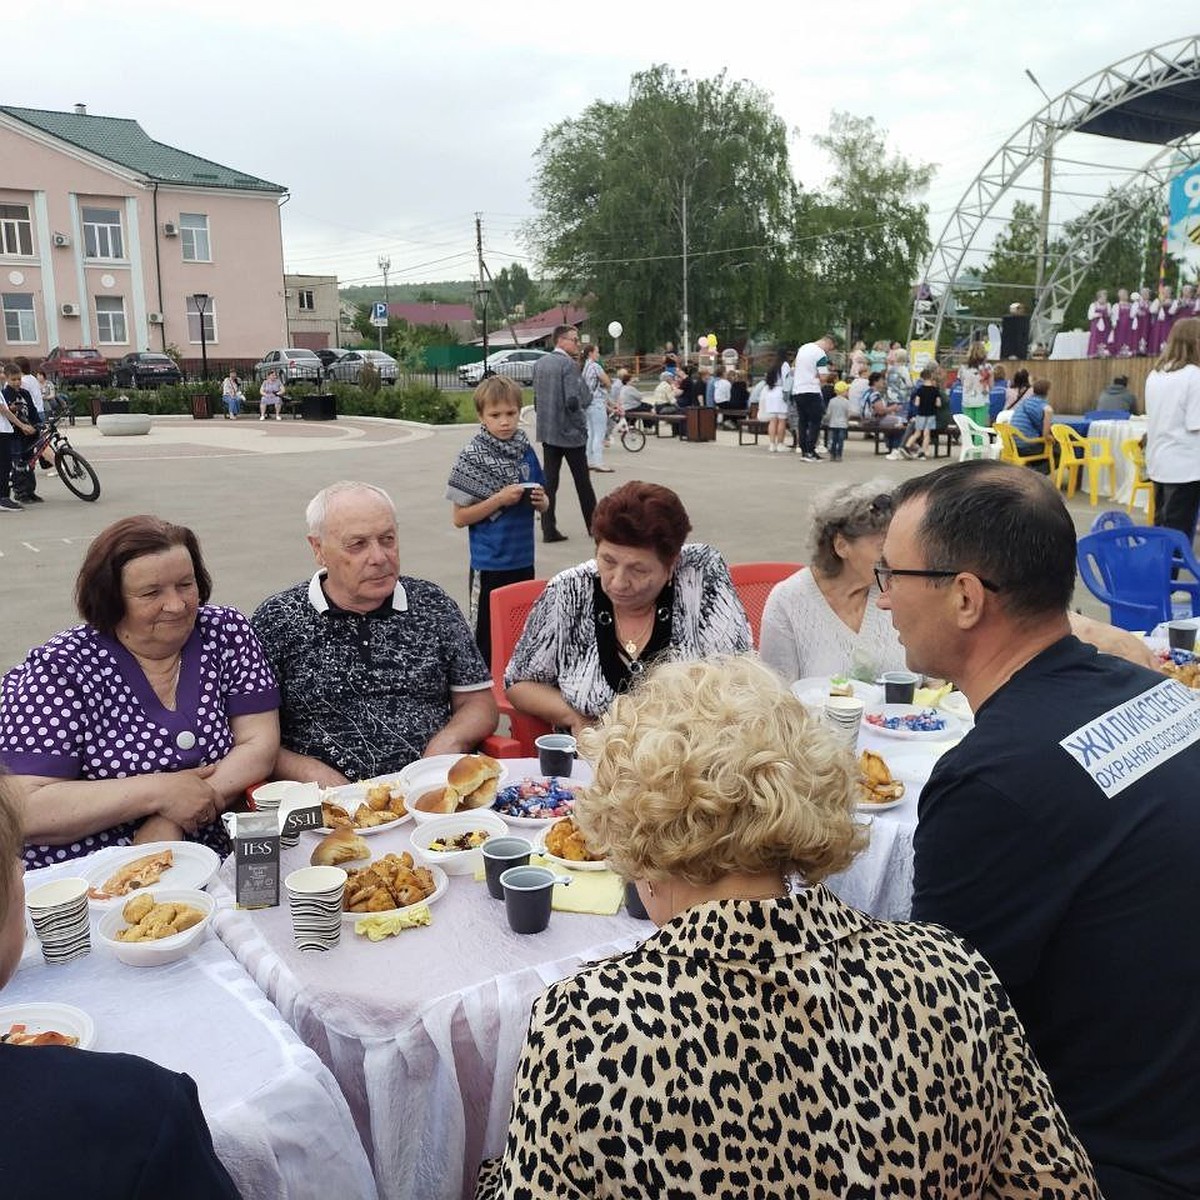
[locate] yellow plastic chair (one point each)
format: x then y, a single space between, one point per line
1078 453
1011 441
1132 449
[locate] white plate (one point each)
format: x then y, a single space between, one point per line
425 773
41 1018
539 847
865 806
532 822
193 867
814 690
953 726
351 795
439 877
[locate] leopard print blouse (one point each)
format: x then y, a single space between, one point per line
791 1047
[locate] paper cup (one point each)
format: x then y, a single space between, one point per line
269 796
843 717
315 896
633 902
59 912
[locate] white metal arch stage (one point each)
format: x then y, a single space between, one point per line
1152 97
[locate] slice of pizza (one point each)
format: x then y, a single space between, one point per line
140 873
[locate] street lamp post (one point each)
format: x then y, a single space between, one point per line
484 293
1047 181
200 299
385 265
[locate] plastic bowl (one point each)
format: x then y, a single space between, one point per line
164 950
456 862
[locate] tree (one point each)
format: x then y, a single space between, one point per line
1010 272
867 233
623 188
514 292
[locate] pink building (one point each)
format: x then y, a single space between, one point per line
106 237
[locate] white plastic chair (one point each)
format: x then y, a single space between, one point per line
977 441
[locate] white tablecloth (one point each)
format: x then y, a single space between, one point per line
1114 433
279 1123
880 880
422 1031
1072 343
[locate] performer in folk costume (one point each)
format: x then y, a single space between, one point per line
1184 306
1161 320
1122 340
1143 321
1098 326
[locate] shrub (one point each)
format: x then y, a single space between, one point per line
423 402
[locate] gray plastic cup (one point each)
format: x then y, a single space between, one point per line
500 853
556 753
899 687
528 895
633 902
1181 635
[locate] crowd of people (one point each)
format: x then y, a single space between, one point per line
1137 324
1034 1031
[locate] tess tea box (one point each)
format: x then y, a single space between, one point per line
256 857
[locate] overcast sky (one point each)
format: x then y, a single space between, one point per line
392 124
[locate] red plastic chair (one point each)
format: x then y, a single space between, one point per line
509 610
753 583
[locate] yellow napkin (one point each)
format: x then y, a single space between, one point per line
600 892
931 697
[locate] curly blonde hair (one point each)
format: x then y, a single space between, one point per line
709 768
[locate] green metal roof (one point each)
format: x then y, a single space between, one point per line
125 142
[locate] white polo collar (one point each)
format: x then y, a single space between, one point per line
319 601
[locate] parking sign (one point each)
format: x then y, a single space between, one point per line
379 314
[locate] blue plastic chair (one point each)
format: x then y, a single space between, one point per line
1111 518
1106 414
1130 570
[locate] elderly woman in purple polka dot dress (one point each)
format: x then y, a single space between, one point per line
142 724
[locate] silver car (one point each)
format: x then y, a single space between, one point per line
349 367
293 365
516 364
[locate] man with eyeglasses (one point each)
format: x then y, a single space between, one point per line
561 401
1062 835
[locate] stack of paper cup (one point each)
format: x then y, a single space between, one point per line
315 897
59 912
843 716
267 797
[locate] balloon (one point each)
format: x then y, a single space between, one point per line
615 329
712 341
702 343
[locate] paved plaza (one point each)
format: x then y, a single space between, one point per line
243 487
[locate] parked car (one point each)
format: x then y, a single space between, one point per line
328 357
142 369
293 365
86 365
349 367
516 364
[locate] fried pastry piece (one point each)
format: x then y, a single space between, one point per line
142 872
157 921
335 816
137 908
876 785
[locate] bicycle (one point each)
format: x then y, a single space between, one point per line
73 469
633 438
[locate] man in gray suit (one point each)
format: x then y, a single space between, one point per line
561 402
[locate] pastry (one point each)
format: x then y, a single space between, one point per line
474 777
343 845
142 872
438 800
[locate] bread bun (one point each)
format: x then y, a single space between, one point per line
437 800
341 846
482 796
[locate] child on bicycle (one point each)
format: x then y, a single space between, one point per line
496 486
18 409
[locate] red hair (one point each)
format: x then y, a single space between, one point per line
646 516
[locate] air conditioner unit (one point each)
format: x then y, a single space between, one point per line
61 239
69 310
155 319
170 229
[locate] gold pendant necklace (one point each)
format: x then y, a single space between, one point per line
631 646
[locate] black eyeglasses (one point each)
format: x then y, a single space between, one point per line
883 577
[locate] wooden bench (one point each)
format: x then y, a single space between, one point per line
667 419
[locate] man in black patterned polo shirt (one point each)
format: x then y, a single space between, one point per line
374 669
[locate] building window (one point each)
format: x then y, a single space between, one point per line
210 321
20 323
102 233
306 300
16 229
193 233
110 320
